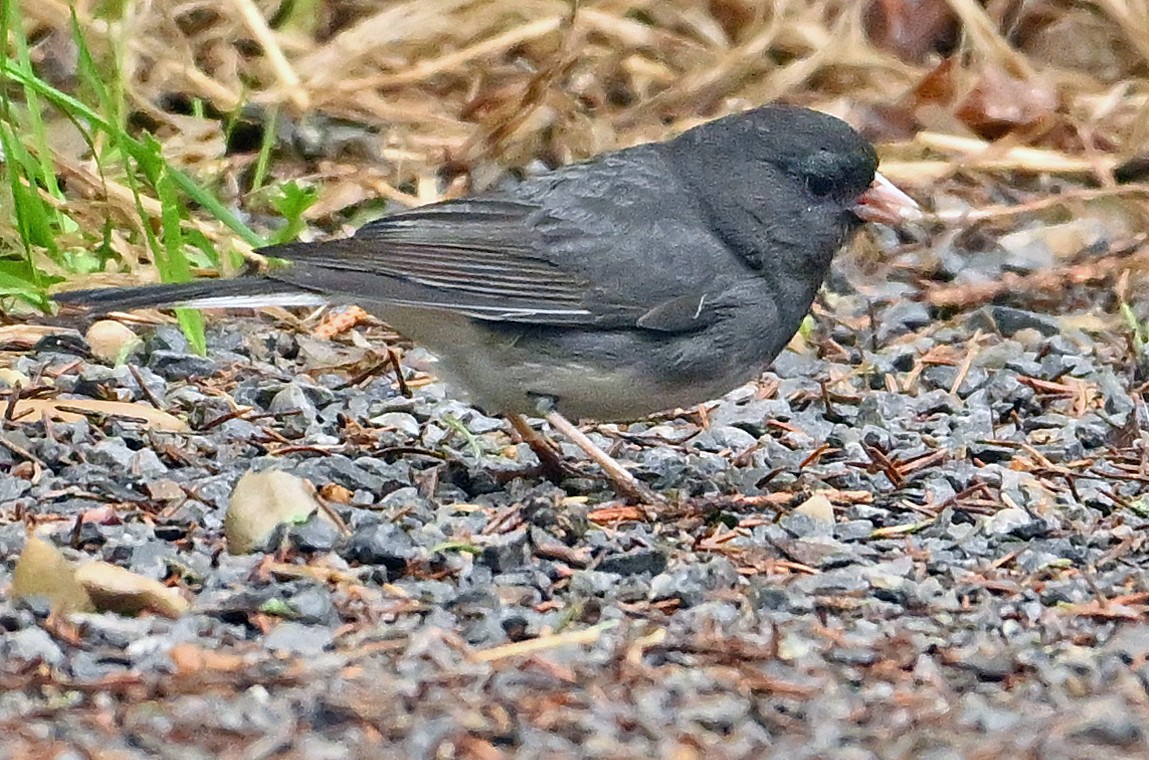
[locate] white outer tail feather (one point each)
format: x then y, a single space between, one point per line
253 302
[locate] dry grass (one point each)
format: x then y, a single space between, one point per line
409 101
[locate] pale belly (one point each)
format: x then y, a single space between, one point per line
582 392
504 371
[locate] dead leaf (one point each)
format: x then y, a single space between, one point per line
1080 41
190 659
26 336
912 29
614 514
999 103
72 409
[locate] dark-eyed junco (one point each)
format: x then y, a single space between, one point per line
653 277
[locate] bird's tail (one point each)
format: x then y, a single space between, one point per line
240 292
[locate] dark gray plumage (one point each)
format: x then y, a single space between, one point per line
653 277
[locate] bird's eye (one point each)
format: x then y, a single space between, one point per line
822 172
819 184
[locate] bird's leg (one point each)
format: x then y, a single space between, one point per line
624 481
550 458
555 468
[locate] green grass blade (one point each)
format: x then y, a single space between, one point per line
170 256
46 172
79 110
266 144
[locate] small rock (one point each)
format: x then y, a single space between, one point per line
725 437
43 571
803 524
165 490
691 584
1106 720
718 712
855 530
293 400
379 544
115 589
314 535
11 378
401 421
505 552
179 366
314 606
1006 521
290 637
651 561
1130 641
112 453
818 508
114 631
111 341
991 453
32 645
986 662
1010 321
260 502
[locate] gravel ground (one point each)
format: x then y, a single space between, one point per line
978 590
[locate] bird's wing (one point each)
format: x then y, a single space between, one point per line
484 257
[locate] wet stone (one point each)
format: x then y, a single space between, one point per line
505 552
173 365
379 544
313 606
1009 321
316 534
652 561
293 399
724 438
690 584
801 525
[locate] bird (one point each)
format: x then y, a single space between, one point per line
654 277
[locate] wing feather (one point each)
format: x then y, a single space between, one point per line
481 257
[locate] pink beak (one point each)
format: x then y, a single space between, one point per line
885 203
